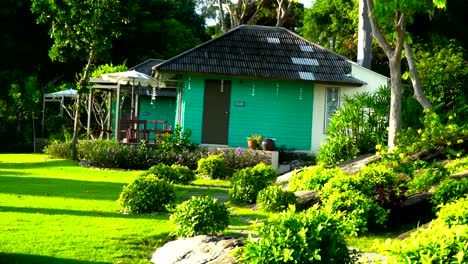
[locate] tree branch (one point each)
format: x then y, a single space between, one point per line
376 31
418 92
400 33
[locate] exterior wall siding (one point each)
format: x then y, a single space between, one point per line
164 108
373 82
192 105
279 110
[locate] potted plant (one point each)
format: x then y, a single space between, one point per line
254 140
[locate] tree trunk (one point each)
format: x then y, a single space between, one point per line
395 101
283 11
364 54
418 92
81 87
221 17
394 59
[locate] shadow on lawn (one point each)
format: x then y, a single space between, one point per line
52 211
60 187
39 164
14 258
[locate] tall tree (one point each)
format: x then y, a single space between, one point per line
284 11
83 29
389 19
364 50
332 24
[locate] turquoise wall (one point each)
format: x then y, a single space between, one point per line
279 110
164 108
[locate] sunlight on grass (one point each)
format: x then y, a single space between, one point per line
54 211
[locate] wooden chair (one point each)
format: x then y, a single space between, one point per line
159 130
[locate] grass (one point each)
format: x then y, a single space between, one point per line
54 211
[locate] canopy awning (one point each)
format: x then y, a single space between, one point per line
70 93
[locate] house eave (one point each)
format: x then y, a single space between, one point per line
220 75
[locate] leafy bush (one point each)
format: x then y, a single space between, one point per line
435 134
457 165
184 174
178 141
443 73
273 198
450 190
200 216
364 198
162 171
111 154
437 244
237 159
147 194
307 237
424 179
212 166
177 174
357 127
359 210
59 150
247 182
313 178
454 213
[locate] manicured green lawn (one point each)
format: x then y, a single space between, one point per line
54 211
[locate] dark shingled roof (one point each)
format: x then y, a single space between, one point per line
146 67
263 52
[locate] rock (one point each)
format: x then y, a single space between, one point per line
355 165
460 175
425 155
306 199
198 250
416 199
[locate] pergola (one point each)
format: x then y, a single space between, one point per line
132 83
56 97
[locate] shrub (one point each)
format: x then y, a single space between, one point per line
359 210
435 134
450 190
178 141
247 182
200 216
184 174
147 194
162 171
454 213
357 197
111 154
357 127
275 199
307 237
437 244
59 150
213 166
313 178
242 158
424 179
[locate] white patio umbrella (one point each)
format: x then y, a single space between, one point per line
131 78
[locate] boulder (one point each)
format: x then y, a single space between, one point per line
355 165
306 199
198 250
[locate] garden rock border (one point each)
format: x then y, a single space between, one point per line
198 250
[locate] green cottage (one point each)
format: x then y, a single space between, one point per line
262 80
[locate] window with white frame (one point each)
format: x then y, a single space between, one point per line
332 96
